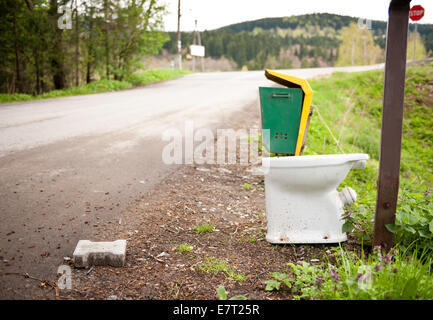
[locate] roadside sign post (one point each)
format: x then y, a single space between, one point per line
197 50
415 14
392 121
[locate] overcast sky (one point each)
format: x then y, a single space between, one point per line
212 14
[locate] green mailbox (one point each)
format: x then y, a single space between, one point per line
280 110
285 113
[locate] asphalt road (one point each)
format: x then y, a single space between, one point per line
69 165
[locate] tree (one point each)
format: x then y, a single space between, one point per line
135 34
420 48
357 47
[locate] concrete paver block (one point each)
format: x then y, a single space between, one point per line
88 253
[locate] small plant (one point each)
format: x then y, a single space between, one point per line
247 186
275 283
184 247
204 228
222 295
356 220
215 266
306 277
414 220
252 239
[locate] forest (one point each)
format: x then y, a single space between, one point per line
56 44
309 40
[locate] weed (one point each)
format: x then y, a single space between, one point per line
222 294
184 247
247 186
204 228
215 266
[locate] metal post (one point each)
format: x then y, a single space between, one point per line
392 121
414 41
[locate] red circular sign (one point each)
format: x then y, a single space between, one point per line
416 13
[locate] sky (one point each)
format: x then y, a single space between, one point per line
212 14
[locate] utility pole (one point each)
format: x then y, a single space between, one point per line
179 43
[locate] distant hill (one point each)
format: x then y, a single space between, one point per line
309 40
322 20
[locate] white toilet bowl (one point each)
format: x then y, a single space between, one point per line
302 203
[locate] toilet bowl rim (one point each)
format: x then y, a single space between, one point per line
313 160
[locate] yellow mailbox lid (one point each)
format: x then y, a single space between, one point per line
295 82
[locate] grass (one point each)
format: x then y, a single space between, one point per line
215 266
184 247
134 80
151 76
351 105
204 228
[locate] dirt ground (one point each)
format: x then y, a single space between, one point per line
157 224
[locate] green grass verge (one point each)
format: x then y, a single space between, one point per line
135 79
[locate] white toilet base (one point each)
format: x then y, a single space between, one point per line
302 203
308 237
303 218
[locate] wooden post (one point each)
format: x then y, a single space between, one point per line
392 121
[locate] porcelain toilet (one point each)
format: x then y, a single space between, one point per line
302 203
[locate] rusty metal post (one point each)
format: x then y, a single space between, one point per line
392 121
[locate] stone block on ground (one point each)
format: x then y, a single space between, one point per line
111 253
